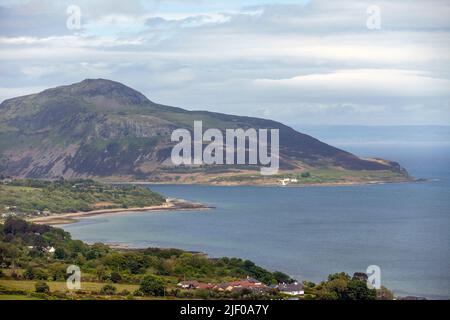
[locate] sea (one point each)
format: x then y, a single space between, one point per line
310 232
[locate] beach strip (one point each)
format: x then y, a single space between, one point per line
66 218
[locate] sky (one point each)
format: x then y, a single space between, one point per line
308 62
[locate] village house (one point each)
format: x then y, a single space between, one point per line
285 182
248 283
50 249
293 289
195 285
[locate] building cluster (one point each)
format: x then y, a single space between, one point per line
251 284
285 182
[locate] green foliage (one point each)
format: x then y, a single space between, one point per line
60 254
384 294
305 175
340 286
281 277
151 285
108 289
42 287
39 197
115 277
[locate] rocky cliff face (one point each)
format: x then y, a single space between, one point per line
101 128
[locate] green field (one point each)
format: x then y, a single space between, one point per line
60 286
17 297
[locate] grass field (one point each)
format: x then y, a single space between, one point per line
56 286
16 297
316 176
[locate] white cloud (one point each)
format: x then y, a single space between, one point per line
359 82
282 61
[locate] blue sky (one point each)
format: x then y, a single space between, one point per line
300 62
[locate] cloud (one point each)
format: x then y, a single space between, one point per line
358 82
287 60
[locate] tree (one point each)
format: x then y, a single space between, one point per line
281 277
28 274
152 285
358 290
108 289
100 271
384 294
42 287
115 277
305 175
57 271
15 226
360 276
60 254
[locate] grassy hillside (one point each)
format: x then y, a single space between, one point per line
62 196
26 260
99 128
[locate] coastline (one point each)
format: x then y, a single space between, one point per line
271 184
67 218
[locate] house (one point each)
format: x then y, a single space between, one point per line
248 283
50 249
188 284
6 180
195 285
293 289
8 214
286 181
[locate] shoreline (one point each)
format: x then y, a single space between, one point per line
298 185
71 217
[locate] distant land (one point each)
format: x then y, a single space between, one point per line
104 130
342 135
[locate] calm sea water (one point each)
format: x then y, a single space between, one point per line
311 232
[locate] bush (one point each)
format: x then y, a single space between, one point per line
28 274
152 285
115 277
108 289
305 175
384 294
42 287
60 254
138 293
125 292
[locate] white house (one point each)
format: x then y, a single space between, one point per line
286 181
50 249
293 289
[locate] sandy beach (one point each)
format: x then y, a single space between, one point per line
66 218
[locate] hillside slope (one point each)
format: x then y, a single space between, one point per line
104 129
